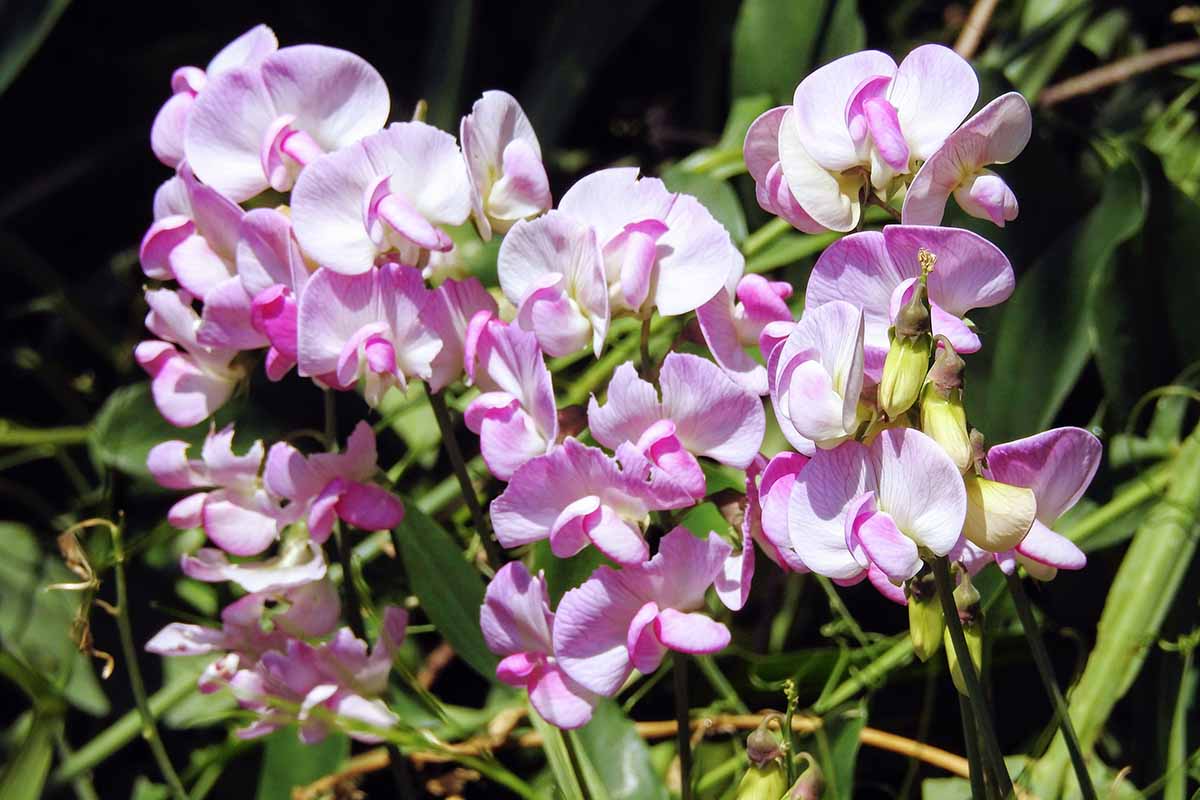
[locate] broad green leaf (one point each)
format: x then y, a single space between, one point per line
25 775
195 710
128 426
717 196
844 34
288 762
836 748
450 590
1042 343
615 760
563 574
25 28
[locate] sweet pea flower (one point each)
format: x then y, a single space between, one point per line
256 126
761 153
194 235
311 610
1057 465
855 507
385 195
996 135
298 562
236 512
773 493
661 250
329 486
518 624
703 412
338 676
367 328
455 303
861 118
552 270
577 495
170 124
515 416
734 319
737 573
879 271
621 620
504 159
188 381
816 377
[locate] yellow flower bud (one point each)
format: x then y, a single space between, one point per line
998 515
904 373
944 419
925 625
768 782
974 635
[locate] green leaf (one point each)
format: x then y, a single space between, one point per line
1053 26
288 762
146 789
128 426
837 745
25 28
450 590
26 773
1042 343
717 196
563 574
555 747
614 759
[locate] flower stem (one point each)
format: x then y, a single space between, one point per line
644 349
983 720
1046 671
683 728
971 742
442 414
762 237
125 628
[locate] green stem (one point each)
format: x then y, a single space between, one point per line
644 351
721 684
683 733
125 628
1146 488
983 719
971 741
13 435
1046 671
765 235
568 738
441 413
896 656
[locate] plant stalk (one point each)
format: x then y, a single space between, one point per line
971 742
683 728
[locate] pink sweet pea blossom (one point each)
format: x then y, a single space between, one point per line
504 159
386 195
170 125
816 377
517 624
661 250
773 493
552 270
996 135
621 620
367 328
515 416
455 304
329 486
734 319
855 507
297 562
737 573
273 275
256 126
577 495
189 381
1058 465
761 152
862 118
338 676
703 412
237 514
878 271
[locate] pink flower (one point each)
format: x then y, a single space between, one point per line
386 195
737 573
576 495
256 126
996 135
621 620
237 514
194 235
878 271
816 377
367 328
855 507
703 412
1058 465
273 276
170 125
515 417
188 381
729 328
552 270
329 486
298 562
518 624
449 314
773 495
338 676
504 159
863 117
661 250
761 152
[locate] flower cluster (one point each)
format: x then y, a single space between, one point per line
346 269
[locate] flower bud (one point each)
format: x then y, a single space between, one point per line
903 373
926 622
810 784
765 744
998 514
973 632
944 419
763 783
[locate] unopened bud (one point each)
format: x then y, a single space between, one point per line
998 514
973 631
768 782
913 317
765 744
926 622
903 373
978 449
944 419
810 784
